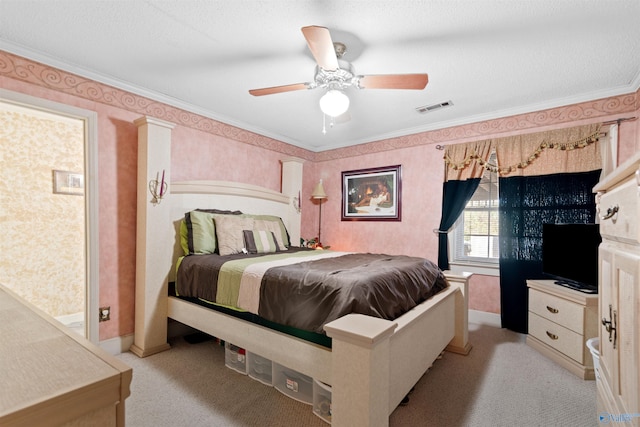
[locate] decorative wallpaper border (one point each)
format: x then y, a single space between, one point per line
16 67
19 68
586 111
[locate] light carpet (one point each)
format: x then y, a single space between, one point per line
502 382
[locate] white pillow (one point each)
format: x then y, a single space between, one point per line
229 233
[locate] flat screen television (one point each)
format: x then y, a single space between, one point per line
570 255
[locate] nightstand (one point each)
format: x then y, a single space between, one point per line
561 320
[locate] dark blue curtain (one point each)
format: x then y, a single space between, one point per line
455 195
525 204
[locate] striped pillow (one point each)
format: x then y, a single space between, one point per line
260 241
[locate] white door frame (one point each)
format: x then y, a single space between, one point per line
90 119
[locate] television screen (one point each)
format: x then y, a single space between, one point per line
570 254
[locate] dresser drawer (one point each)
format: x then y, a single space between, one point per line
622 225
557 337
558 310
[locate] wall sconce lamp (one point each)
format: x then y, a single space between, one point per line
297 203
157 188
319 194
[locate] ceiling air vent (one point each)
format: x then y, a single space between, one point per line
429 108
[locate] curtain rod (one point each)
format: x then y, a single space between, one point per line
618 121
602 135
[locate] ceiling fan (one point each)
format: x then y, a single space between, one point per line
335 74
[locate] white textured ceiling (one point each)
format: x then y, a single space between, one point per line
490 58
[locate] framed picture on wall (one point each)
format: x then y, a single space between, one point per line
65 182
372 194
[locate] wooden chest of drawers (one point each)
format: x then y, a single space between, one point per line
561 320
618 383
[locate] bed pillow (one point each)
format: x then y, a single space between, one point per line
260 241
201 232
272 223
197 231
229 232
184 237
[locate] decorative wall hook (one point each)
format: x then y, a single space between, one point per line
157 188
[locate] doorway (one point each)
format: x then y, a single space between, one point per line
48 193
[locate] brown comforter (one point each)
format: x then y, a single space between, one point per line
308 294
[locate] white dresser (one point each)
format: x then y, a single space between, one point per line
561 320
618 379
52 376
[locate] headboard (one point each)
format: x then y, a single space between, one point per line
157 222
189 195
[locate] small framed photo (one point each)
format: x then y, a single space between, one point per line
65 182
372 194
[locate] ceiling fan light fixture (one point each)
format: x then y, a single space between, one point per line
334 103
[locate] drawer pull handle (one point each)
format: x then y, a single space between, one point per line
610 212
610 325
552 310
552 336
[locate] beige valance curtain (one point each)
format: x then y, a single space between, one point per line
558 151
466 161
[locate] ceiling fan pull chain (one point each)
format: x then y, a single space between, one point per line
324 124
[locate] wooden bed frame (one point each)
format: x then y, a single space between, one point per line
373 363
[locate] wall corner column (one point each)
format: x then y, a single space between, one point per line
153 237
292 187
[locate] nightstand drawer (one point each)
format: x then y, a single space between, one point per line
558 337
623 224
558 310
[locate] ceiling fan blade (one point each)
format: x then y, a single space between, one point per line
278 89
321 46
394 81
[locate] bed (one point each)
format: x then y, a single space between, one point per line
303 289
373 362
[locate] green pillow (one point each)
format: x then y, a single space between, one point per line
201 232
184 237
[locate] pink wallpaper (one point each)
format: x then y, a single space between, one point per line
199 155
422 166
206 149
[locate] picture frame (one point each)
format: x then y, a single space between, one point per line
66 182
373 194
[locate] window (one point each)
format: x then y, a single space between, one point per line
475 234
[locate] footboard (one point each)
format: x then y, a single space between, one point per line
376 362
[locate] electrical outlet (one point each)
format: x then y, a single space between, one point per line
105 314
